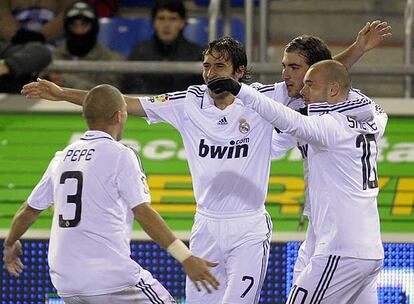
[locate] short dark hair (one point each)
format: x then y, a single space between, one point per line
313 48
233 50
175 6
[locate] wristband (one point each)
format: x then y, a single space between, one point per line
179 251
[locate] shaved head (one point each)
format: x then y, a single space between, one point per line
101 103
334 71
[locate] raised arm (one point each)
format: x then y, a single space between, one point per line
45 89
369 37
23 219
195 267
319 130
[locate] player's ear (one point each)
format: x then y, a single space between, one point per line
334 89
116 117
239 72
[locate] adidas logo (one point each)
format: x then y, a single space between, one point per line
222 121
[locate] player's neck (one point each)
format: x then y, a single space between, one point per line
223 103
337 100
107 129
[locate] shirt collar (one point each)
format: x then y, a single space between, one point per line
96 134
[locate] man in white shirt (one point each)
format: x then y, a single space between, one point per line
343 185
305 50
98 187
231 225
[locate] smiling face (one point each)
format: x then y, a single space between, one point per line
294 70
218 65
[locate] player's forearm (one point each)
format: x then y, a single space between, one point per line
275 113
73 95
134 106
77 97
350 56
285 119
23 219
154 225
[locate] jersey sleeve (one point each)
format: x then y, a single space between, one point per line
381 119
42 195
319 130
268 90
131 180
164 108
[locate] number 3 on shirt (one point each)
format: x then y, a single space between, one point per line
368 159
73 199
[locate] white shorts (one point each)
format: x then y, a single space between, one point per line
241 246
335 279
147 291
306 250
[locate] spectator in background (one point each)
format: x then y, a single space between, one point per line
22 21
81 34
167 44
25 27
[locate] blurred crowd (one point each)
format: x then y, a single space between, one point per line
33 33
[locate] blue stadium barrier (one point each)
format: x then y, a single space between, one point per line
121 34
197 29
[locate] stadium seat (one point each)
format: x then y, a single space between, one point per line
121 34
197 29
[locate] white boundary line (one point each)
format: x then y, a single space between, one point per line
185 235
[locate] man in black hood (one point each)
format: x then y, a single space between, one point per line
81 28
167 44
81 32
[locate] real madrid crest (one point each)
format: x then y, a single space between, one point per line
244 127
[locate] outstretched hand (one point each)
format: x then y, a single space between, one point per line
373 34
224 84
42 89
11 259
198 272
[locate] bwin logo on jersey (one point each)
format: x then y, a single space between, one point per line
237 149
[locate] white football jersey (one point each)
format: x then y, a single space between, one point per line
342 175
94 184
228 150
359 106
